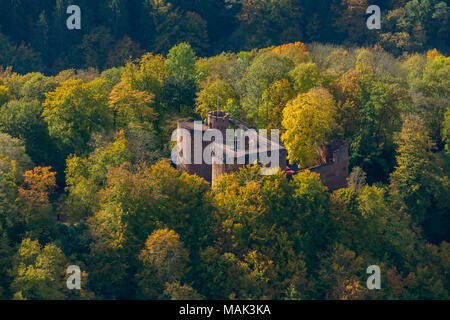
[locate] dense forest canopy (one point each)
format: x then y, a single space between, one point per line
34 37
85 137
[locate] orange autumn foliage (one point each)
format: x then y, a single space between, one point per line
39 182
283 48
431 54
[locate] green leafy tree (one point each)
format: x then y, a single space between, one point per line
418 180
372 147
21 119
149 74
174 26
21 57
446 130
264 70
429 89
305 76
260 225
39 272
85 177
74 111
342 275
132 206
12 151
181 85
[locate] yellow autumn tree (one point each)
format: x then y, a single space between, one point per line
131 106
5 95
274 101
164 260
309 121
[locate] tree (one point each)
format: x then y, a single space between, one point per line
357 179
311 198
226 277
309 121
297 52
34 203
265 22
247 208
221 67
131 107
39 272
173 26
260 230
446 131
351 20
418 181
217 92
273 103
21 118
416 26
149 74
13 164
6 251
346 91
181 62
35 86
135 203
341 275
412 179
124 50
85 177
264 70
95 47
425 280
5 96
22 58
429 90
181 85
8 194
305 76
372 147
12 150
164 260
116 13
74 111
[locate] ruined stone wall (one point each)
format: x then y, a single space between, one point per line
202 170
334 173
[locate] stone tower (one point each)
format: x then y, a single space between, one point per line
218 120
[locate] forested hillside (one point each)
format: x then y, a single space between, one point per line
34 37
84 181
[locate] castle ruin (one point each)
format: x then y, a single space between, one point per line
333 172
